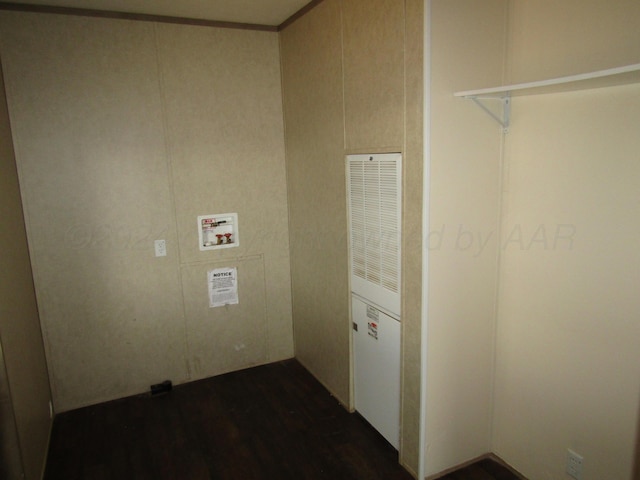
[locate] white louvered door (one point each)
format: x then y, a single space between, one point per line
374 200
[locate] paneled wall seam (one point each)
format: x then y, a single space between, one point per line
171 184
26 211
424 231
344 94
351 391
32 422
266 311
9 425
287 179
403 210
12 458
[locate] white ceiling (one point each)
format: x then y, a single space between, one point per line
260 12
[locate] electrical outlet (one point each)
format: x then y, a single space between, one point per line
574 464
161 248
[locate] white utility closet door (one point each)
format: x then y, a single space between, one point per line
374 201
376 363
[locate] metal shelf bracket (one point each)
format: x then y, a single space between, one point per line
506 109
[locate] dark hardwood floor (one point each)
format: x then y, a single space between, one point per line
269 422
485 469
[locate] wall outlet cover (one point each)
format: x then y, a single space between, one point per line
160 248
574 464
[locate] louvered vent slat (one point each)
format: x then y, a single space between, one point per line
374 215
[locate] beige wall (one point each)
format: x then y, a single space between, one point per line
125 132
467 45
352 80
20 336
567 373
550 39
314 119
373 74
412 241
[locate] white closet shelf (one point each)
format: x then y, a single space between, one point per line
602 78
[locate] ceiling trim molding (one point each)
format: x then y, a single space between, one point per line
303 11
141 17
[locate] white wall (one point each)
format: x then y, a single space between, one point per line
567 373
467 45
553 365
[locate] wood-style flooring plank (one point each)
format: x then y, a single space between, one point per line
485 469
269 422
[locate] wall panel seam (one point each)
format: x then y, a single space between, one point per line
172 193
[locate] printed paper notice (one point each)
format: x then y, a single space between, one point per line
223 286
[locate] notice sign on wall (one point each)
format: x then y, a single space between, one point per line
223 286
